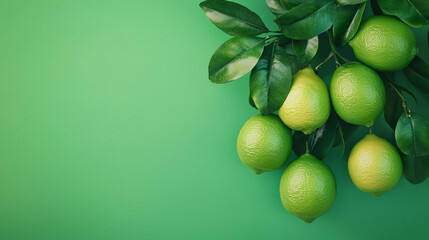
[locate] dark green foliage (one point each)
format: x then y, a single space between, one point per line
272 57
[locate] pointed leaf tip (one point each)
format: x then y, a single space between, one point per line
235 58
233 18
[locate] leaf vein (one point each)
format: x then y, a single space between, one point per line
238 56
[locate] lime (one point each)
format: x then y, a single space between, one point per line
384 43
264 143
307 188
374 165
307 106
357 94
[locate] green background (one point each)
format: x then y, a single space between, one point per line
110 129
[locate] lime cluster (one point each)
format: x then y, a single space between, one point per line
358 96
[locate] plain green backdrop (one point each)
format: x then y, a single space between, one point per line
110 129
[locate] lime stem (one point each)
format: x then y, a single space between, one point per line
404 102
331 54
342 58
332 45
337 63
307 149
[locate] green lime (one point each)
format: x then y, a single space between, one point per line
374 165
384 43
307 188
357 94
307 106
264 143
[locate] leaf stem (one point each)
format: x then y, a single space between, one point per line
337 64
403 100
307 149
271 38
343 142
331 54
331 43
339 55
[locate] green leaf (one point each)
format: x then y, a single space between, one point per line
406 10
307 20
324 137
284 41
291 3
299 12
320 141
388 78
412 135
334 48
417 73
233 18
235 58
271 79
393 108
276 7
345 131
422 6
290 50
347 23
350 2
402 88
376 10
295 64
299 140
251 102
306 49
415 168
